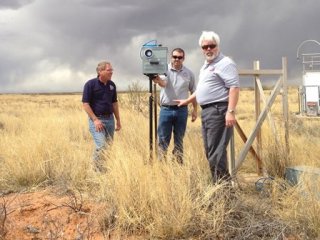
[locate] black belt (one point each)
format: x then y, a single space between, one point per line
214 104
105 115
172 106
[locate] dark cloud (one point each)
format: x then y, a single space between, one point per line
14 4
60 42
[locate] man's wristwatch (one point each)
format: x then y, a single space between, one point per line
232 111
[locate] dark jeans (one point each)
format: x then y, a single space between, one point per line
172 119
216 137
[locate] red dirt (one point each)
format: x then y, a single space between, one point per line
46 215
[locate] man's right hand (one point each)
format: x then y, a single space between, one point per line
156 79
98 125
181 102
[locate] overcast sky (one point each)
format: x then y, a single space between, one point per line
55 45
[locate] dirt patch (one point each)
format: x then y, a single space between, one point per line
48 215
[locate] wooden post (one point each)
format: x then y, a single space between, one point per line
232 164
285 103
256 66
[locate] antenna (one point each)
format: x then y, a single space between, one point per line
151 43
310 40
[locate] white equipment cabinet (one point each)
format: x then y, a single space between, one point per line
310 89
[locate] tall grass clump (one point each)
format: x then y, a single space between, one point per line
299 205
305 141
160 200
275 159
41 146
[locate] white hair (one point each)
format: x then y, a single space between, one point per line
209 35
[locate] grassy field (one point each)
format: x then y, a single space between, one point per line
45 142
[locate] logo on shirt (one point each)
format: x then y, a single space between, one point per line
111 87
211 69
185 75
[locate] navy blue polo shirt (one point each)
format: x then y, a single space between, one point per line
100 96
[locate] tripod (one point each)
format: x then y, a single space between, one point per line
152 117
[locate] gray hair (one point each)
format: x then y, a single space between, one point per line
209 36
102 66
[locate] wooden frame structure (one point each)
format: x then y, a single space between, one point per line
280 87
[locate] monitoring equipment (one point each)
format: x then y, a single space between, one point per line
154 58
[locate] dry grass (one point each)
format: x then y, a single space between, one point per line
45 142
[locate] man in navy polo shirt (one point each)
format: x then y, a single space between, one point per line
101 104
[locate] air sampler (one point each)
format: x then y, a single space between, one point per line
309 91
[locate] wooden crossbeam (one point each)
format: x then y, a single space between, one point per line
258 72
251 149
258 124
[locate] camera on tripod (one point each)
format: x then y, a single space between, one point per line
154 58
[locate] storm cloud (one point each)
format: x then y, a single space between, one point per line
55 45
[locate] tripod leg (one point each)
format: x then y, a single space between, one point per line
150 121
155 118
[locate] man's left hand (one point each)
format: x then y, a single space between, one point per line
194 115
230 119
118 126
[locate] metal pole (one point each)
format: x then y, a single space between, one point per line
155 118
299 100
150 120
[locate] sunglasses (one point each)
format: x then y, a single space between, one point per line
177 57
211 46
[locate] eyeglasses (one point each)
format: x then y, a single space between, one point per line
177 57
211 46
